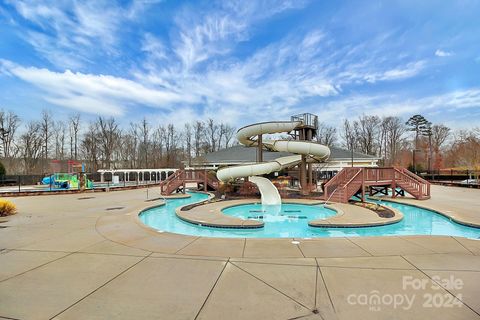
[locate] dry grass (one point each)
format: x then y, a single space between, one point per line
7 208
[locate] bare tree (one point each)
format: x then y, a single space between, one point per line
109 134
9 123
133 133
59 136
188 142
74 130
439 134
90 146
143 131
158 145
394 136
171 139
366 130
349 137
211 132
229 133
46 125
326 135
198 133
31 146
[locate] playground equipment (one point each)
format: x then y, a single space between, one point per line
67 181
74 179
304 128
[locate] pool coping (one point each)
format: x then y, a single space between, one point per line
347 216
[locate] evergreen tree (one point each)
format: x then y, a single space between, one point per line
422 128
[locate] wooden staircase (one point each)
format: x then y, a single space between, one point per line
355 181
411 183
177 181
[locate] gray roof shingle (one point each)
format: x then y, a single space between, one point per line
242 154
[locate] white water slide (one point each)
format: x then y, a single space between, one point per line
270 195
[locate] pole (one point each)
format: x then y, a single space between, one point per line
430 156
414 164
351 150
309 165
260 148
303 168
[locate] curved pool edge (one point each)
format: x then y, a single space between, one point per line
346 215
447 213
136 216
126 229
211 215
350 216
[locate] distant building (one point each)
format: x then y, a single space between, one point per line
236 155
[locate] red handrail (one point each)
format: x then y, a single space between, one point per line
348 181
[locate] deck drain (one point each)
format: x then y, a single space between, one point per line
85 198
115 208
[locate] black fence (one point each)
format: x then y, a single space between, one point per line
12 184
15 180
451 175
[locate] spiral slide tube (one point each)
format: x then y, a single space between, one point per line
270 195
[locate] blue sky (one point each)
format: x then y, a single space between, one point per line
241 61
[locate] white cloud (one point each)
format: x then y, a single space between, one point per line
397 105
97 94
192 67
402 72
66 31
441 53
203 34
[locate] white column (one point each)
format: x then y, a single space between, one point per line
102 179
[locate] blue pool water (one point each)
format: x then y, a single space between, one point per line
291 220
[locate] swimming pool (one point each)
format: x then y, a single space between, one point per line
291 220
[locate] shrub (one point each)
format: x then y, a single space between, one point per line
2 169
7 208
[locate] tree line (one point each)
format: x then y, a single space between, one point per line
416 143
104 143
29 147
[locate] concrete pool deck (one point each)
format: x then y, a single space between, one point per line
459 204
87 257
